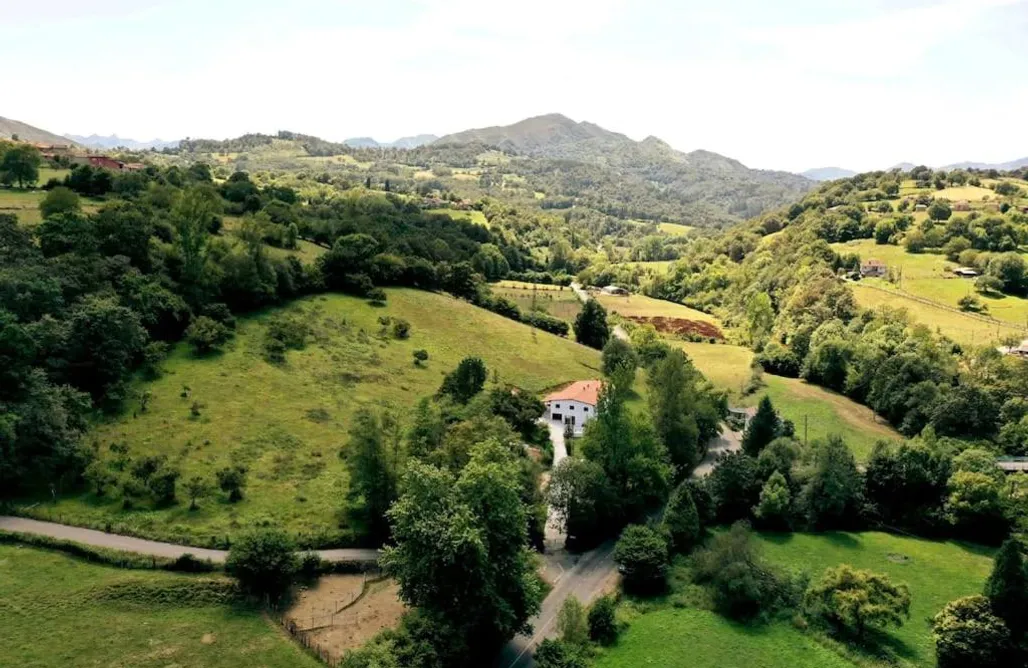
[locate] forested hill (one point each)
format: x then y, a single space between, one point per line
10 128
698 177
549 162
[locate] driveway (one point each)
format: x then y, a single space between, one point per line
152 548
580 292
727 441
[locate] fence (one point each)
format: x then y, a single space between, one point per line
970 314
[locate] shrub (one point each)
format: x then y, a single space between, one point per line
59 200
603 627
377 296
854 600
558 654
775 498
967 633
420 356
206 335
643 559
681 520
401 328
231 480
264 561
572 623
465 381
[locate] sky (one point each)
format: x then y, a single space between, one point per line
791 84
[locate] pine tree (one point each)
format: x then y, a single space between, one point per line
591 327
681 520
1007 587
762 429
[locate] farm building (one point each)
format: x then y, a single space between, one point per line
613 290
965 272
574 405
1016 351
920 207
104 162
1013 464
873 268
962 205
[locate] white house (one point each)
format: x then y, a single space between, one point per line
575 404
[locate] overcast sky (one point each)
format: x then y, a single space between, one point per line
790 84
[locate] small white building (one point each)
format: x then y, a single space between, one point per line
1016 351
873 268
965 272
613 290
574 405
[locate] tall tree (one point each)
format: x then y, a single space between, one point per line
1007 587
968 633
681 520
372 481
591 328
20 164
672 397
762 429
193 213
465 381
831 497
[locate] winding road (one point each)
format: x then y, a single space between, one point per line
151 548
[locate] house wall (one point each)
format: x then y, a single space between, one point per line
582 412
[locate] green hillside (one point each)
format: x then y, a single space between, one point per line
286 423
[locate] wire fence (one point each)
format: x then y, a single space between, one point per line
970 314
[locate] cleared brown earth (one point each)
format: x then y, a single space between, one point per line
680 326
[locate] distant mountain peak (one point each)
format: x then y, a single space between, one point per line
828 173
413 141
114 141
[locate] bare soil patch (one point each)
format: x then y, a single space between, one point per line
680 326
343 612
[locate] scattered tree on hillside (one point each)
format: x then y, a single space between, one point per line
264 561
465 381
372 477
591 328
232 480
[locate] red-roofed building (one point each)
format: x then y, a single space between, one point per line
575 404
104 162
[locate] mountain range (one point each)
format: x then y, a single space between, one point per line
402 142
828 173
114 141
10 128
832 173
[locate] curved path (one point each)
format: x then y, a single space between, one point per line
151 548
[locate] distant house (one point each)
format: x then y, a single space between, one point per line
962 205
872 268
965 272
574 405
1012 464
1016 351
104 162
920 207
739 418
133 166
614 290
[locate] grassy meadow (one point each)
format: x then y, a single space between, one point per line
676 630
60 611
286 423
928 276
672 637
936 572
647 307
558 301
472 216
675 229
826 412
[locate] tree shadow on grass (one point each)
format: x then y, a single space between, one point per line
843 540
877 645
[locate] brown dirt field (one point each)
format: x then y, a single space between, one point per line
680 326
349 627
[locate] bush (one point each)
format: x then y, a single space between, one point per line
603 627
681 520
854 600
465 381
967 633
206 335
743 585
401 328
643 560
264 561
420 357
558 654
231 480
59 200
377 296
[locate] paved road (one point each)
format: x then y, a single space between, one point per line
150 547
586 580
728 441
580 292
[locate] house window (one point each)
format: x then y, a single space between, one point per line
571 407
558 405
586 409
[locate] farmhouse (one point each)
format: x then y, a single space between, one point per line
965 272
105 162
920 207
1016 351
875 268
574 405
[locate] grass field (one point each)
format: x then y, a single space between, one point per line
675 229
47 173
969 193
679 637
59 611
472 216
287 423
927 275
648 307
25 204
936 572
560 303
306 251
728 367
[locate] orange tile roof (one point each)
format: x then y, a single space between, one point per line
586 391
